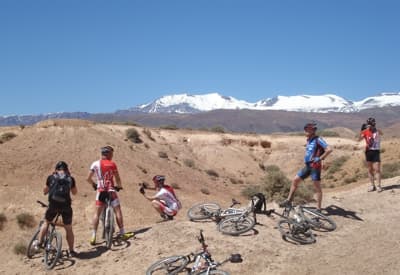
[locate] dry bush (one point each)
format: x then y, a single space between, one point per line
265 144
20 248
144 170
226 141
169 127
337 164
217 129
3 220
252 143
7 136
205 191
175 185
133 135
212 173
147 132
163 155
390 170
189 163
235 181
25 220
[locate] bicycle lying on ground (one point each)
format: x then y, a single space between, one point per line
52 242
298 221
202 262
231 221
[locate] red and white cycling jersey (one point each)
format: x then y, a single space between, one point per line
104 170
168 197
372 139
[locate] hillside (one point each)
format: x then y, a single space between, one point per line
197 163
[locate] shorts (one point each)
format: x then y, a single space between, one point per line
101 199
373 156
66 214
308 170
166 210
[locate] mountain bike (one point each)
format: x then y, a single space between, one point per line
231 221
107 218
52 242
295 227
202 261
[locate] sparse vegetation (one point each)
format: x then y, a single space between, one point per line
3 220
265 144
175 185
217 129
189 163
7 136
20 248
169 127
147 132
337 164
252 143
212 173
133 135
235 181
328 133
205 191
25 220
390 170
163 155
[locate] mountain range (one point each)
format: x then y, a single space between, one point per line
278 114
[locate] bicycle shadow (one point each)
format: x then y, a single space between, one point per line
334 210
391 187
64 262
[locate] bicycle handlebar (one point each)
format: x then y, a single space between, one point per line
41 203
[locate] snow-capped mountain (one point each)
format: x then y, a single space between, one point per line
184 103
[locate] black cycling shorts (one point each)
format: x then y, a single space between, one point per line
66 214
373 156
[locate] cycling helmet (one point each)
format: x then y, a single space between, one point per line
159 179
106 150
310 125
62 165
371 121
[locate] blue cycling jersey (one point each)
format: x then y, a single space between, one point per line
312 146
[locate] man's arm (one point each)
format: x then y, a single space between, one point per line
74 189
89 179
328 150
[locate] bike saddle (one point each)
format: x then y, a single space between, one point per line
235 202
236 258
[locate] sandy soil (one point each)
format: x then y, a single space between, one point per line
365 242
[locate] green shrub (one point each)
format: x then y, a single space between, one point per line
3 220
163 155
390 170
25 220
212 173
133 135
20 248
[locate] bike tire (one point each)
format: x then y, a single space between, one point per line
30 251
285 227
170 265
235 226
109 227
52 249
215 272
318 220
202 211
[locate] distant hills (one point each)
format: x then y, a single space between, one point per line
279 114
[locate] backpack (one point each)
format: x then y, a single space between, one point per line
59 189
320 150
260 203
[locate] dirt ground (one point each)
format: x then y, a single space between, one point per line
366 240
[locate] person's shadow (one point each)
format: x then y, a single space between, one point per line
334 210
391 187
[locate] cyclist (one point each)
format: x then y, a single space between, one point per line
59 185
165 201
104 171
316 151
371 135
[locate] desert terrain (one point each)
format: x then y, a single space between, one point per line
202 166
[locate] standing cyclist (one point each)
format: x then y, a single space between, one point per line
371 135
59 185
316 151
104 171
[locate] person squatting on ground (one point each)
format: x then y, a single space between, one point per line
59 185
165 201
316 151
105 170
371 135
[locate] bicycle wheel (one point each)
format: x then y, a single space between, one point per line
215 272
287 227
236 225
318 220
52 249
170 265
202 211
30 251
109 226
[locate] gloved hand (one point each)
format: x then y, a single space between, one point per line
145 185
364 126
94 185
317 159
141 190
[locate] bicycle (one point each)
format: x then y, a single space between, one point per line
202 261
231 221
108 219
52 242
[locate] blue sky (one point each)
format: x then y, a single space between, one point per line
101 56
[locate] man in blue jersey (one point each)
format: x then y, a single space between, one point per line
316 151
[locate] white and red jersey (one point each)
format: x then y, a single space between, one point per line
104 170
166 194
372 139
